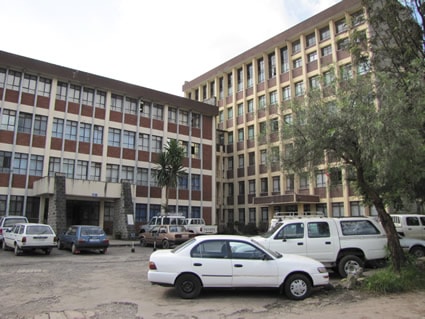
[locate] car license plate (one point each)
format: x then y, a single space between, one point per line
94 239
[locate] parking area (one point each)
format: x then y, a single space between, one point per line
114 285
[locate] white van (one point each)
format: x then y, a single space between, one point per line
410 225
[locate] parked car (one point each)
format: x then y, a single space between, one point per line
167 219
29 236
198 226
410 225
413 246
83 237
165 236
229 261
343 244
7 222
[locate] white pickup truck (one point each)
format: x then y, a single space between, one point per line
344 244
198 226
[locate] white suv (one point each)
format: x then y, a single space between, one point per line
163 220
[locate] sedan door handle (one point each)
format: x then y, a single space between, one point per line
197 264
238 265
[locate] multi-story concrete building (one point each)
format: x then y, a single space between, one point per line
77 148
253 92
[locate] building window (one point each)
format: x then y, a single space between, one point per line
252 216
142 176
304 181
260 69
221 116
314 82
229 137
127 173
172 115
340 26
264 185
44 87
5 161
240 109
327 50
196 182
29 84
141 213
95 169
16 205
241 161
68 167
183 182
262 102
251 132
363 67
251 187
158 111
251 158
13 80
273 98
263 128
310 40
57 129
263 157
337 209
250 75
54 165
328 78
274 125
272 65
156 144
114 137
296 47
100 99
325 33
196 120
346 72
20 163
116 103
74 93
221 87
24 123
241 216
250 106
230 163
286 93
61 91
265 215
129 140
287 119
357 18
183 118
112 173
343 44
312 57
82 170
130 105
285 59
298 63
239 72
229 113
40 125
320 179
88 96
276 184
71 130
85 130
299 88
356 209
98 134
144 142
240 135
241 186
230 84
275 154
196 150
290 182
2 77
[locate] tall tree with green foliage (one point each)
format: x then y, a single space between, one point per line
373 123
170 168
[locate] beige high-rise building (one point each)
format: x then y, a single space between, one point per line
252 92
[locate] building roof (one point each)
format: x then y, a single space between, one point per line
287 35
36 67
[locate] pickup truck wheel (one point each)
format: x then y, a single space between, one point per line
349 264
165 244
417 251
297 287
188 286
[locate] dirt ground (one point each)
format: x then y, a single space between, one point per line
114 286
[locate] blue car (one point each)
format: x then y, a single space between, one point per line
84 237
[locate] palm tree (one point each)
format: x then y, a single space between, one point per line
170 168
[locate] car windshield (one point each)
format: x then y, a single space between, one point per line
12 221
86 231
270 232
275 254
39 230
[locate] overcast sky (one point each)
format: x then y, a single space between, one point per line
158 44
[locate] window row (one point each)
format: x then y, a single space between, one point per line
145 212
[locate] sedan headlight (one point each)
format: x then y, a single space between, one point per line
322 270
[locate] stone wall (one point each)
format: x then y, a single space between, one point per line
56 216
124 207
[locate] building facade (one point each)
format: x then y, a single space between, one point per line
77 148
253 92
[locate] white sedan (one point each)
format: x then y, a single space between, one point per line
227 261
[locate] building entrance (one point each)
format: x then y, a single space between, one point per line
82 213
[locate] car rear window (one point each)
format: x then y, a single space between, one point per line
86 231
39 230
358 227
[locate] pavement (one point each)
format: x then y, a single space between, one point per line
123 242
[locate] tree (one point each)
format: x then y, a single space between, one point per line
373 122
170 168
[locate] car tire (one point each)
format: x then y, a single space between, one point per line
349 264
17 250
60 245
297 287
165 244
103 251
188 286
4 246
417 251
74 249
47 251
